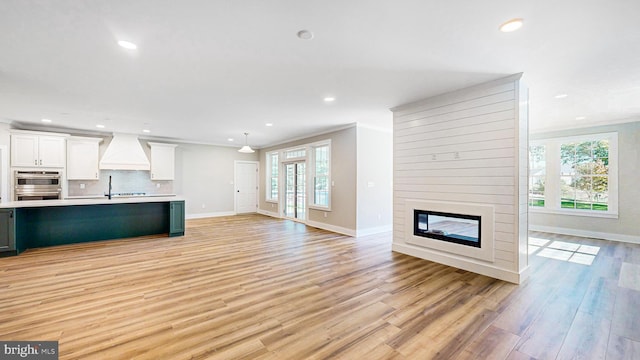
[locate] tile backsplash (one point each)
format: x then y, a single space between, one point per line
122 181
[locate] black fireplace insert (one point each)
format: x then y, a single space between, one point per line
456 228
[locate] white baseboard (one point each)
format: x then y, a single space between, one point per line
268 213
374 230
319 225
333 228
586 233
466 264
208 215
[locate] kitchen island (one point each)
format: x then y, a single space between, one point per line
43 223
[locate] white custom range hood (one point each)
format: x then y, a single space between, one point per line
124 153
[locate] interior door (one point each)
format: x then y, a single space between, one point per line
295 191
246 187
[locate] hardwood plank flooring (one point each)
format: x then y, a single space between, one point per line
254 287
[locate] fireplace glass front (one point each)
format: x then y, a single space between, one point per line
456 228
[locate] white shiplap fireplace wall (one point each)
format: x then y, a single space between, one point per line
465 147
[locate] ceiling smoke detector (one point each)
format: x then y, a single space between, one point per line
305 35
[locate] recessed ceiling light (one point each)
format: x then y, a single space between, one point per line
561 96
100 126
511 25
127 45
46 120
146 130
580 117
329 99
268 124
305 35
230 139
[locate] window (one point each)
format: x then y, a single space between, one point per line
321 175
537 174
272 176
293 154
314 160
576 175
585 175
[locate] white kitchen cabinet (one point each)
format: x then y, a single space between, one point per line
83 155
37 150
162 161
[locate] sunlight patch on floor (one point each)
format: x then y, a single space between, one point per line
630 276
563 251
562 245
555 254
538 242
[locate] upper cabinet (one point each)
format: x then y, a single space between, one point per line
162 161
83 158
38 149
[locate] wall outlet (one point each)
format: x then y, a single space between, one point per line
273 205
325 214
158 185
82 186
204 206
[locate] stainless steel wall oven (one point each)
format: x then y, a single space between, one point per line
37 185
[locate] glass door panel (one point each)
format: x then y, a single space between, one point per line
295 191
301 191
289 193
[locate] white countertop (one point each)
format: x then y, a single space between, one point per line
104 196
90 201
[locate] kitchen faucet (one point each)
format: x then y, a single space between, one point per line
109 187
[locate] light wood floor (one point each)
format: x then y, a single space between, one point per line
253 287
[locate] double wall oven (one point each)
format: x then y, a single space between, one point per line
37 185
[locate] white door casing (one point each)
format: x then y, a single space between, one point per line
246 186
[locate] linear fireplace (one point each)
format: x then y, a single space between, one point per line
446 229
455 228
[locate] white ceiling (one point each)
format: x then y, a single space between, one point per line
208 70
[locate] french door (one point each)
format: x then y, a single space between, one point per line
295 196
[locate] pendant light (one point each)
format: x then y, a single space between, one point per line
246 148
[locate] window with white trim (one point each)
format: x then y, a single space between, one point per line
574 175
272 176
321 171
295 154
537 175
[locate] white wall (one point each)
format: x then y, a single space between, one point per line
342 217
205 175
468 146
361 170
625 227
375 165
